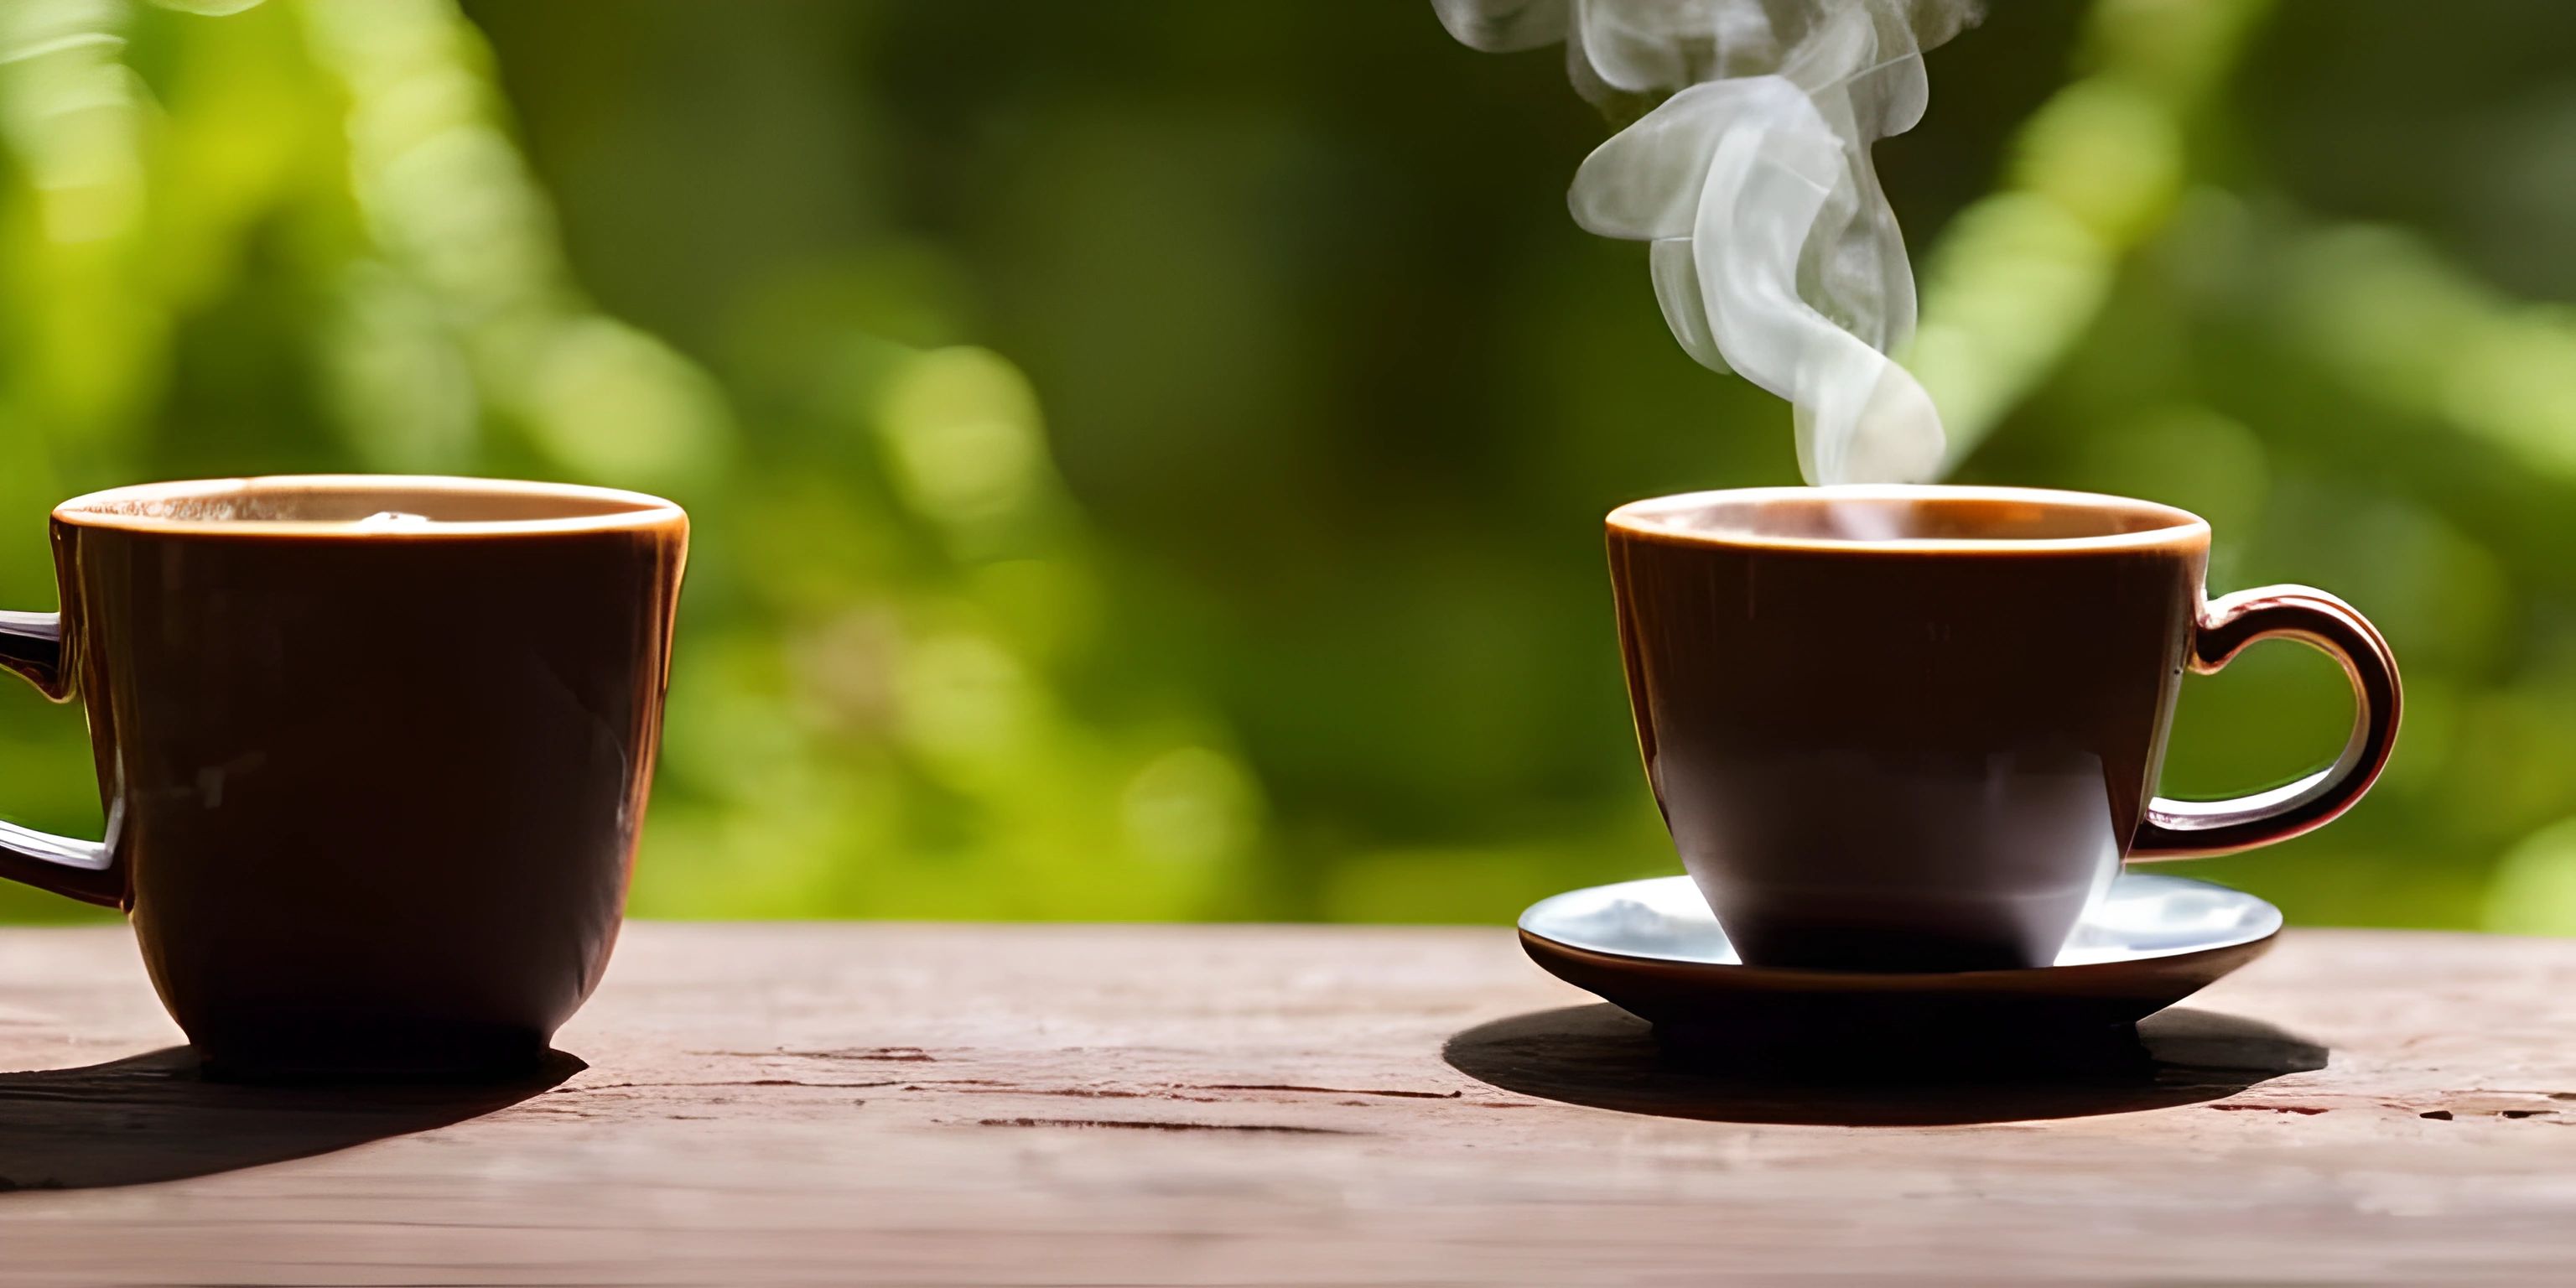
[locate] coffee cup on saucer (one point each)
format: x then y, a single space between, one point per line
1905 738
1917 728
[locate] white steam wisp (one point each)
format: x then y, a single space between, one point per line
1773 249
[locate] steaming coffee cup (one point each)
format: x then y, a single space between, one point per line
373 751
1918 728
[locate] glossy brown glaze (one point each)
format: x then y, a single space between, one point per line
372 792
2186 829
1918 728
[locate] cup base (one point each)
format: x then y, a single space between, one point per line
1919 931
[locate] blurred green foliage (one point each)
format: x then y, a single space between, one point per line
1148 457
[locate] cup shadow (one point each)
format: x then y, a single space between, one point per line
1605 1058
154 1117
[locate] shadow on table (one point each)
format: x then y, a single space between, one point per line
150 1117
1606 1058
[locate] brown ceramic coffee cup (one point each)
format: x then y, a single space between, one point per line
374 751
1919 727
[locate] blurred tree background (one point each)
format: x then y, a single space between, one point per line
1148 456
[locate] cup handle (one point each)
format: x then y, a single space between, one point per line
31 644
2188 829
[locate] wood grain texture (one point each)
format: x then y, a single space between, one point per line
1243 1105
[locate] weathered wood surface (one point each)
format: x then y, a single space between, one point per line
912 1104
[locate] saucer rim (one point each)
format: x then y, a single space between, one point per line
2252 945
2236 955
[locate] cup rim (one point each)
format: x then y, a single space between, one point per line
1650 518
641 510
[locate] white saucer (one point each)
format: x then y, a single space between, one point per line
1653 948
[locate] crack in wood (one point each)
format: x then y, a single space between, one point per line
1087 1093
1000 1087
739 1082
1323 1091
894 1055
1146 1125
2278 1109
2489 1102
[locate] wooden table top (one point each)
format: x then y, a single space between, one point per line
1235 1104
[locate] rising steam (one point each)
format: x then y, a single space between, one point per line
1774 252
